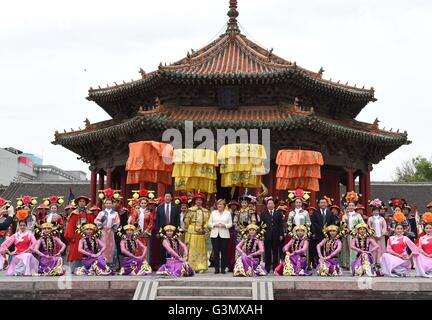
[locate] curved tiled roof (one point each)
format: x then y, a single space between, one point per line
232 58
276 118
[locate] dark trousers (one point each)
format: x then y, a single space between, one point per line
271 253
220 253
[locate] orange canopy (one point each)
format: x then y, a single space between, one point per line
149 161
299 157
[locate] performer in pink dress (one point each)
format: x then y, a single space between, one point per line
396 262
423 261
23 262
379 225
108 221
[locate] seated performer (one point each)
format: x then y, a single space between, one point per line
396 262
423 261
23 262
363 244
92 248
130 246
250 249
328 251
295 262
176 265
49 247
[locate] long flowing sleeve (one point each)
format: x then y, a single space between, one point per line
7 243
384 227
260 249
290 218
149 223
414 249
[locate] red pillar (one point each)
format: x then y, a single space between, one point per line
123 185
93 177
350 185
109 181
161 188
100 186
365 190
313 199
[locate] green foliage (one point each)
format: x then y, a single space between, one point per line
418 169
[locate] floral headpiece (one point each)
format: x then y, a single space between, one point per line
376 203
4 204
109 194
298 194
26 201
351 196
54 200
427 218
143 194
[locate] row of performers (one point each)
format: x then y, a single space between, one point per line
48 246
198 219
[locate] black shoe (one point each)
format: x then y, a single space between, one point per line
223 272
217 272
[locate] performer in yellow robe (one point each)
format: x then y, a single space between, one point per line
196 225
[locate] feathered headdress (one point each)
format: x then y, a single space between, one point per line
306 229
39 227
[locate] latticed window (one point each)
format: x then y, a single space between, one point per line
228 97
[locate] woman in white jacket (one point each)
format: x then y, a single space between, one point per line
220 222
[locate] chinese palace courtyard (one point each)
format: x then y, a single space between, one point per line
234 83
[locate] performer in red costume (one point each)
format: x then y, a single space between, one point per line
80 216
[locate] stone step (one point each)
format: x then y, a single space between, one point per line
204 291
203 298
200 283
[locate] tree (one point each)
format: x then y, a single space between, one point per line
418 169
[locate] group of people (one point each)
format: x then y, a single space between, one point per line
174 236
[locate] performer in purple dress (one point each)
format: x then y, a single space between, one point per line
132 263
176 265
93 263
295 262
363 243
328 251
49 247
250 249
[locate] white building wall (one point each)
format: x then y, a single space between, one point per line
8 167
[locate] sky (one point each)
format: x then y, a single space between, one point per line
51 52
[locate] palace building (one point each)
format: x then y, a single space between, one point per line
234 83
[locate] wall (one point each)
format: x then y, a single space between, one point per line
8 167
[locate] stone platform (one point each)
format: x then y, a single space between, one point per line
208 286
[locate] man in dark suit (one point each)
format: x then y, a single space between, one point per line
167 213
320 218
273 236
